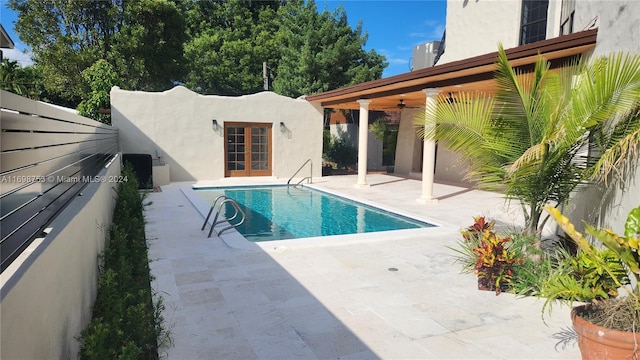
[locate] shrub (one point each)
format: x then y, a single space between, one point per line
126 323
341 153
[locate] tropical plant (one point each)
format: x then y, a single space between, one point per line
535 267
487 255
528 139
588 276
10 77
600 273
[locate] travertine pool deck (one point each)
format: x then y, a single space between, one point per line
338 299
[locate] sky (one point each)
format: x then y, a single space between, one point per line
394 27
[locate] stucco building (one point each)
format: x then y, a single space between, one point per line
194 137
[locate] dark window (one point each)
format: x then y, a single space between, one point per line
534 21
566 16
567 26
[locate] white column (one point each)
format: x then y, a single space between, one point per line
429 153
363 135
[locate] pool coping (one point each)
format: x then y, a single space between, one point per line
234 239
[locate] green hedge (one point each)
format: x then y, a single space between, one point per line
126 323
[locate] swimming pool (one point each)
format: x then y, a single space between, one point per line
282 212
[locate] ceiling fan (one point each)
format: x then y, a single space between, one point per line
401 105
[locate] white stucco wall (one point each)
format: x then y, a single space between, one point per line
618 24
476 27
408 147
450 168
178 123
48 291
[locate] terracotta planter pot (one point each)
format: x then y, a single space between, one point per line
600 343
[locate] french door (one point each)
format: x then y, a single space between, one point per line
248 149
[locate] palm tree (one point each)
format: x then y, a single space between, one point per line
11 77
545 132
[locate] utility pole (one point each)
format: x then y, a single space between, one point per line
265 75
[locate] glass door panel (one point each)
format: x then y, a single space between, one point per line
248 149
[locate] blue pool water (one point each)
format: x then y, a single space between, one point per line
281 212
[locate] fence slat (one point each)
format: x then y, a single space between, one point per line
16 121
47 156
21 140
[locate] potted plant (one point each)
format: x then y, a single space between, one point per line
486 254
608 323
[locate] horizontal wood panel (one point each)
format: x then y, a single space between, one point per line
38 173
15 121
20 140
85 168
47 156
12 160
17 236
16 159
10 101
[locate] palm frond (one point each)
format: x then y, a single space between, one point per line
620 146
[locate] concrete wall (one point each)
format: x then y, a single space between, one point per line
178 125
48 291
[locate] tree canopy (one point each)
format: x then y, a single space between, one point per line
142 40
320 51
210 46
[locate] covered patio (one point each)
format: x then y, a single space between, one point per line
424 87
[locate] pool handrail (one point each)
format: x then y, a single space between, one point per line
238 210
308 178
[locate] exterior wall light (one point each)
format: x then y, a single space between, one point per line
215 123
282 127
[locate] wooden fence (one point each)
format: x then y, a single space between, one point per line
47 156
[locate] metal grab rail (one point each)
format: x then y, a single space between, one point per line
308 178
236 207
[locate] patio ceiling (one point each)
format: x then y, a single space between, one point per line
468 75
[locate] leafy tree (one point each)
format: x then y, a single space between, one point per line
228 43
528 140
321 51
102 78
147 49
213 47
141 39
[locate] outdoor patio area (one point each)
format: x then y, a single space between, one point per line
389 295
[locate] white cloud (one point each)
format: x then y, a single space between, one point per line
431 23
24 58
434 31
398 61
